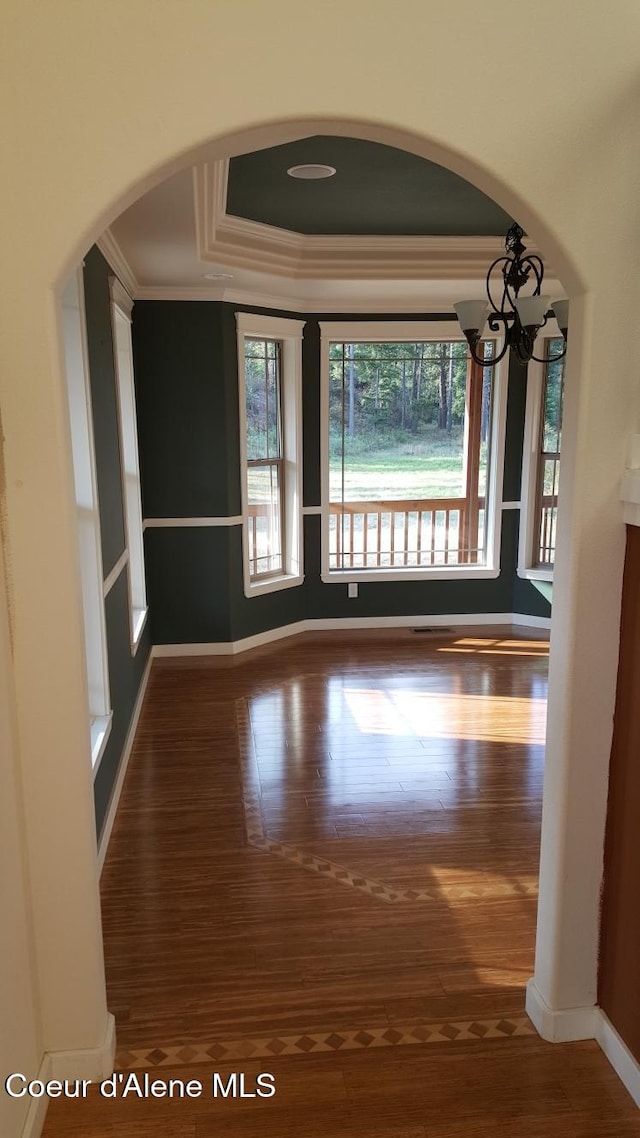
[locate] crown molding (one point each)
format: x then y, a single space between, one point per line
112 252
236 242
357 303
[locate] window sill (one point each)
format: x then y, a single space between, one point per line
436 573
273 584
536 574
100 731
138 621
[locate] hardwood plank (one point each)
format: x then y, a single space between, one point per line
375 954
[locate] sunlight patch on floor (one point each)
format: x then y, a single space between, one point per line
445 715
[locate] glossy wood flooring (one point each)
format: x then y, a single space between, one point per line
325 866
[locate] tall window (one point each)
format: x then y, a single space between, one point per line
265 459
121 306
411 455
548 479
270 392
541 463
87 513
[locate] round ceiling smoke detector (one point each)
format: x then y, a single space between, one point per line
311 172
217 276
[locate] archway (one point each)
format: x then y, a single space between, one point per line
71 859
271 134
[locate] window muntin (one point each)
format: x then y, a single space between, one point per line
409 437
548 467
265 457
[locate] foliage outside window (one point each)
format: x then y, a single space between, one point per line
409 440
548 474
264 456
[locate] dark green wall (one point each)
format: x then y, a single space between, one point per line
184 406
187 393
125 670
125 674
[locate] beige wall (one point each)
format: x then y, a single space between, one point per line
20 1040
539 107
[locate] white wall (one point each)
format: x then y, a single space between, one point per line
100 101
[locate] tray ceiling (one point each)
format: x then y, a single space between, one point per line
376 191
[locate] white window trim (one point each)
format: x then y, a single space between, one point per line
100 732
76 357
530 455
289 334
413 331
121 307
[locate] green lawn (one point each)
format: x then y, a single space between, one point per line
428 466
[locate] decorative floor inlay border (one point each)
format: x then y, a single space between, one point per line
462 1031
258 838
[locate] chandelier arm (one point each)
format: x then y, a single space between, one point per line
498 261
482 362
533 261
495 320
550 359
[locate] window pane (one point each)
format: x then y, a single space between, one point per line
405 492
549 454
396 420
262 384
265 519
553 399
486 415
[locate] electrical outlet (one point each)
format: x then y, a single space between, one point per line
352 589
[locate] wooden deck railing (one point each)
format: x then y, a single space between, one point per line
547 531
416 532
412 532
265 554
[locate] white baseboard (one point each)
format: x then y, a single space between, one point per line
37 1112
442 620
122 768
521 618
230 647
623 1062
562 1026
94 1063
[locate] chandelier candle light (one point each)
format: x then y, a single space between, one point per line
519 317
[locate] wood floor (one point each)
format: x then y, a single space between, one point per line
324 866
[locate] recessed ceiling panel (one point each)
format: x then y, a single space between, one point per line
376 190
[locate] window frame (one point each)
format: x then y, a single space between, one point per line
270 462
413 332
531 455
288 333
121 309
76 361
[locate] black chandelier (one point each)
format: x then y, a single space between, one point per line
520 318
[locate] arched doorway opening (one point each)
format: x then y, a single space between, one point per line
551 950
